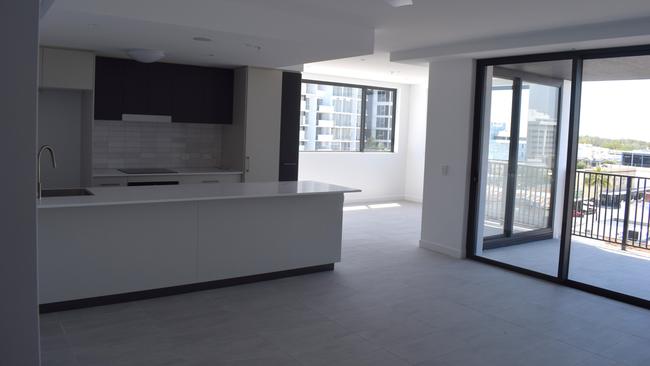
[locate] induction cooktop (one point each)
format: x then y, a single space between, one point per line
147 171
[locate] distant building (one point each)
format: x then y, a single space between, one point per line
636 158
541 139
596 154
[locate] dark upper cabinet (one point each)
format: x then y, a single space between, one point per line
136 88
109 87
202 95
160 88
189 94
221 97
147 88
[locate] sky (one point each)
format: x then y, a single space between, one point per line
609 109
616 109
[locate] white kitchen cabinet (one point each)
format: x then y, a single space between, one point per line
66 69
252 142
124 240
105 250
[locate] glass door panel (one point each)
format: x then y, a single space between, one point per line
519 158
537 157
611 214
498 156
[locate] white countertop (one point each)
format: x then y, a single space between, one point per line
105 196
97 173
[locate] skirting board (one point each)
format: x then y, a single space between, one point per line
415 199
452 252
373 199
176 290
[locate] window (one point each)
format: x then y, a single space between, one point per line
342 117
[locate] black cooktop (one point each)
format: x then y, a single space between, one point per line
147 171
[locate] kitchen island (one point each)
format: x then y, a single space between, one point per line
126 243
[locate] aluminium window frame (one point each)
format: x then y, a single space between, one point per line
518 78
362 126
577 57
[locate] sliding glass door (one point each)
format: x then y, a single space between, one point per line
610 245
561 169
519 159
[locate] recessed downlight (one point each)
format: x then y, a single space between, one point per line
202 39
252 45
399 3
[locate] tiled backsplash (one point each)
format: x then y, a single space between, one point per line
118 144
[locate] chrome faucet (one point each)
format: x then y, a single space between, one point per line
53 158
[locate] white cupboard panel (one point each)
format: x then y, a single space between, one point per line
67 69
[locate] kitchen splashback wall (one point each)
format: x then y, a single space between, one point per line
119 144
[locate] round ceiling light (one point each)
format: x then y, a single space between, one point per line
145 56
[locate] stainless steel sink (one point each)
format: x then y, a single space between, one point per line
70 192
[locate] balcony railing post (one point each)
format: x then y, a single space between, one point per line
626 214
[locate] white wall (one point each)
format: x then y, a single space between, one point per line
18 103
381 176
414 181
448 143
59 125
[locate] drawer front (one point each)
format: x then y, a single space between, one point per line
217 178
109 181
154 178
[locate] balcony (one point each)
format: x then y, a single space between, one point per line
610 227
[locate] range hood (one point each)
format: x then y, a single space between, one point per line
146 118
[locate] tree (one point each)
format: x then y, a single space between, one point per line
581 164
597 182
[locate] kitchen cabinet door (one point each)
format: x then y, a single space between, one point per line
262 142
188 97
136 88
160 89
290 126
219 92
109 86
66 69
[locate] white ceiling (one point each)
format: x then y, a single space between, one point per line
376 67
242 33
300 31
619 68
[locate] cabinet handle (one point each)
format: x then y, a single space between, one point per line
211 181
248 164
110 185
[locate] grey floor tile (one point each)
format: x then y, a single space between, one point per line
306 337
632 351
349 349
280 360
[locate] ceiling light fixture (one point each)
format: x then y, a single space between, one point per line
144 55
399 3
202 39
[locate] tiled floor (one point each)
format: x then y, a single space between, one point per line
387 303
591 261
